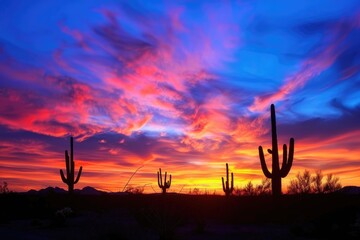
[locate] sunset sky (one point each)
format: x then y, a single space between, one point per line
181 85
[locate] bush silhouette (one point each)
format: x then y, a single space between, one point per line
301 184
4 188
305 183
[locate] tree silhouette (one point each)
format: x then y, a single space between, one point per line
304 183
301 184
317 186
264 187
70 168
277 172
249 189
332 184
4 188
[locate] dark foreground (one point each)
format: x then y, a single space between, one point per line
174 216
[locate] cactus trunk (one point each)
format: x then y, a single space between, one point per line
277 172
276 186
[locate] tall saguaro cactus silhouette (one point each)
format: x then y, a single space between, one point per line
277 172
164 185
228 189
70 168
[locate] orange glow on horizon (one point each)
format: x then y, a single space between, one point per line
204 173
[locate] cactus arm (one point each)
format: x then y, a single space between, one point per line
232 182
159 176
227 177
286 168
63 177
72 150
169 184
291 152
285 158
161 182
222 178
263 163
78 176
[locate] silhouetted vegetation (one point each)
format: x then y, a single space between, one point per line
134 190
332 184
317 182
301 184
198 191
70 168
304 183
249 189
277 172
163 185
228 188
4 188
264 188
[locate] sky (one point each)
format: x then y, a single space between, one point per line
185 86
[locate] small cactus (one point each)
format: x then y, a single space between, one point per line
164 185
70 166
277 172
228 189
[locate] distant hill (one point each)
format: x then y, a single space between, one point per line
89 191
85 191
350 190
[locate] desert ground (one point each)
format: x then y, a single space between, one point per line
178 216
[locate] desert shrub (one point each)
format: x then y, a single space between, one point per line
317 186
61 216
301 184
4 188
237 191
304 183
332 184
249 189
194 191
264 188
134 190
163 221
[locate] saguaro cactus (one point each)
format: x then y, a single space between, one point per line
70 166
228 189
164 185
277 172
